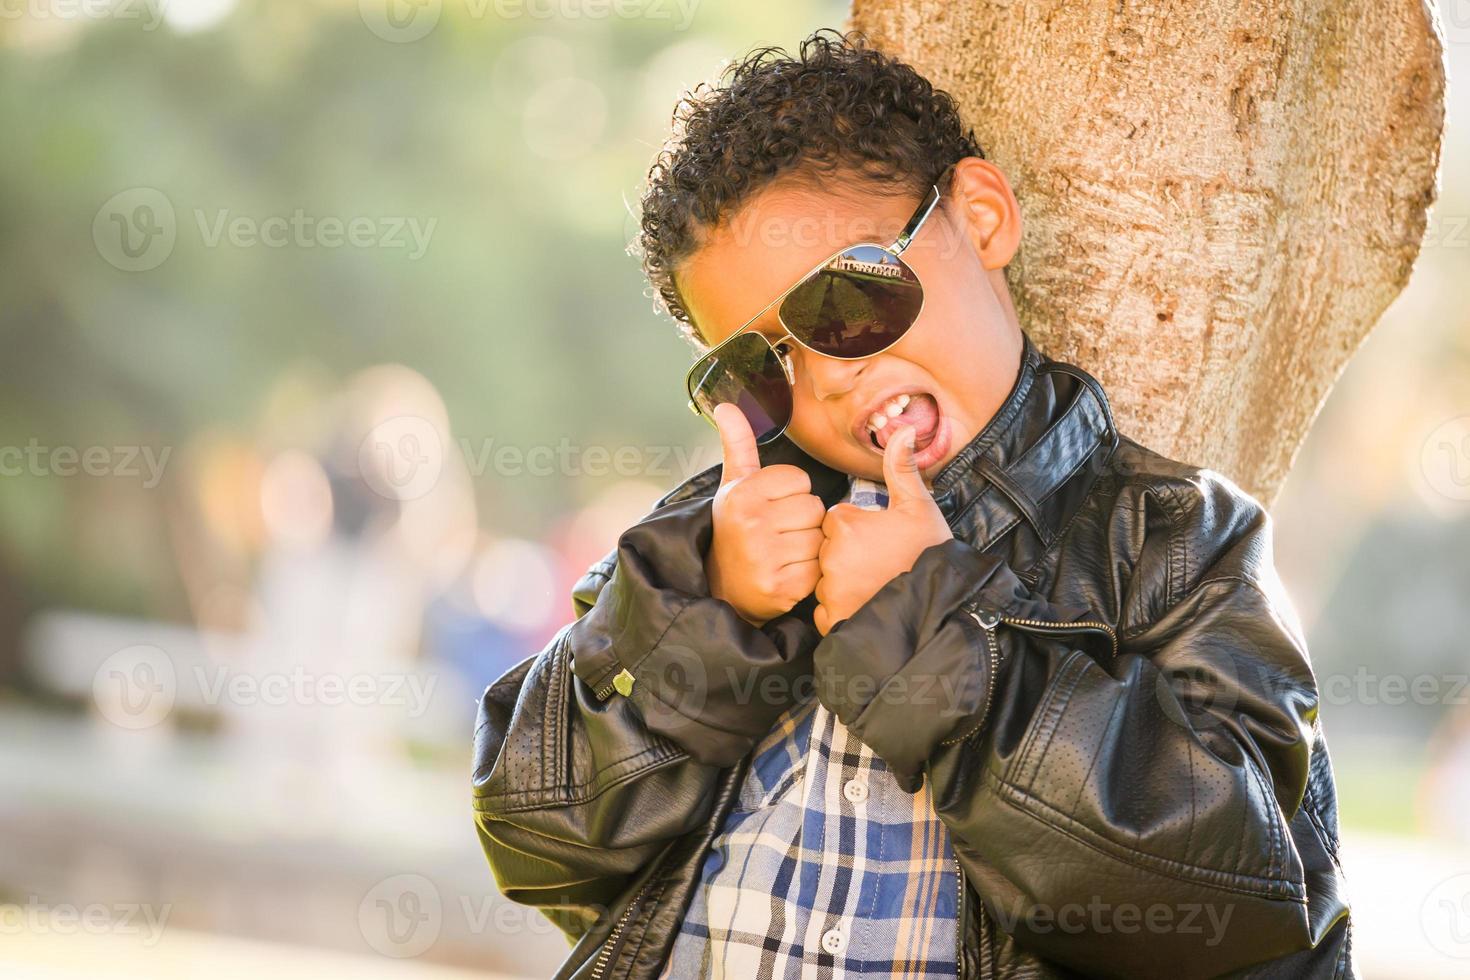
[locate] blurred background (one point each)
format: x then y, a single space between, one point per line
325 374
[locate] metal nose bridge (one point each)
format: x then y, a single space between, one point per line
784 356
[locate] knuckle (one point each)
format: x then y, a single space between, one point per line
790 475
766 582
815 511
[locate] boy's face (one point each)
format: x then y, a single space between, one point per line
956 364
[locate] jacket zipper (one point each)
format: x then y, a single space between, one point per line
604 955
959 932
990 620
987 621
622 683
1079 626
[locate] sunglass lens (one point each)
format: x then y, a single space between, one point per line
747 373
861 303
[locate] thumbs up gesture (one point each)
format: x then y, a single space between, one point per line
863 550
767 528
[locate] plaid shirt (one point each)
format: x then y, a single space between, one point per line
825 867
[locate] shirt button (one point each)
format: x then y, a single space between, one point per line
855 790
833 941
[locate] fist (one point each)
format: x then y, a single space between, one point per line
864 550
767 528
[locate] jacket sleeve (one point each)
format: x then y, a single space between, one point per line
1123 807
580 781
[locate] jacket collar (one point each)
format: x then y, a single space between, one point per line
1053 426
1055 421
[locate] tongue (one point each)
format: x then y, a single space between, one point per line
922 412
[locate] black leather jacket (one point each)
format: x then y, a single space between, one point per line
1126 747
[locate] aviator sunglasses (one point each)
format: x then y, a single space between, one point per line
856 303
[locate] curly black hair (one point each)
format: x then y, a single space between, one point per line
836 104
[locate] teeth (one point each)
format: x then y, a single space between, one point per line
891 410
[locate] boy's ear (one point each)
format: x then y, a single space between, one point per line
985 211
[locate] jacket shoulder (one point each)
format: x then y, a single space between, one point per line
1189 525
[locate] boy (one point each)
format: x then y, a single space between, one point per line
937 674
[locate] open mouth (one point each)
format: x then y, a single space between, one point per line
918 409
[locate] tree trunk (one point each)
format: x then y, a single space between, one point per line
1220 199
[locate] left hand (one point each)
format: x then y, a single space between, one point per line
864 550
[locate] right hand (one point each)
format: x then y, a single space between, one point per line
767 528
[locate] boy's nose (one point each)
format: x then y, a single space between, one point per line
831 377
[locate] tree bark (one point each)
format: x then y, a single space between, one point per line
1220 199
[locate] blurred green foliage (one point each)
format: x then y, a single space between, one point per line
523 140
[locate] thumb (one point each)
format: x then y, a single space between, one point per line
902 477
737 441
